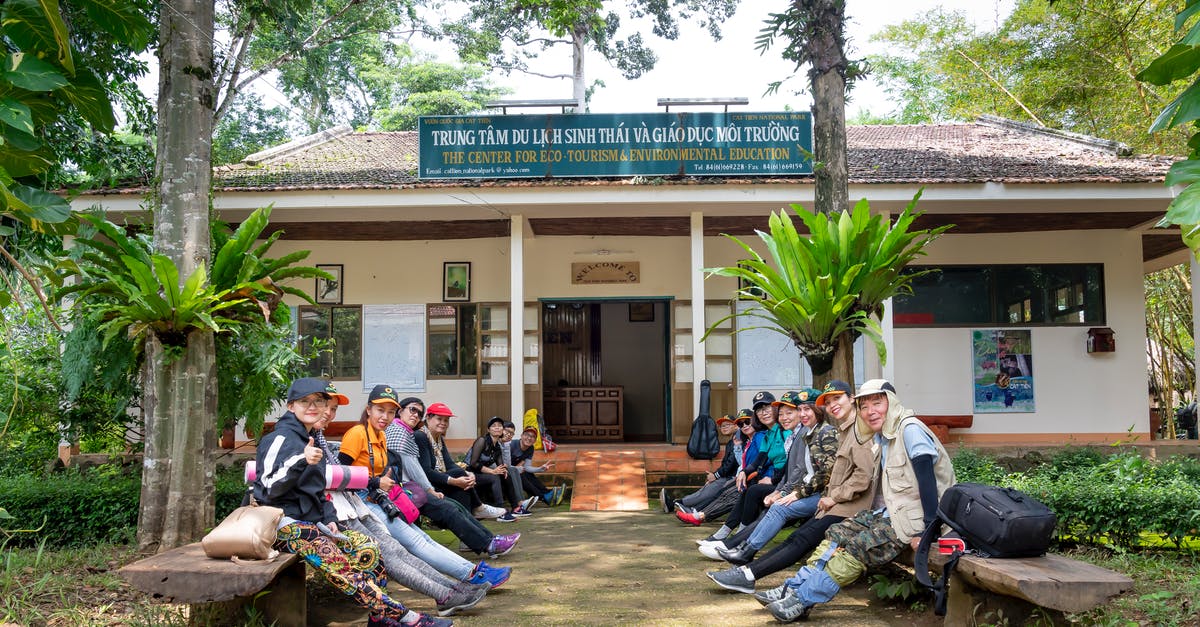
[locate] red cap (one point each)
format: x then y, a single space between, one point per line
438 409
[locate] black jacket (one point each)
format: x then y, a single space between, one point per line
285 479
729 463
440 480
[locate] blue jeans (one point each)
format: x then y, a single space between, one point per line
425 548
778 516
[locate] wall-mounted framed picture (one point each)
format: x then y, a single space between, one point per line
641 312
329 292
456 281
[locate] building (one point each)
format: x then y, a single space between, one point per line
580 293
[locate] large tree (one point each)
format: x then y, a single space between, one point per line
939 67
508 34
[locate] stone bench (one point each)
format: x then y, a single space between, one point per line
220 591
1017 591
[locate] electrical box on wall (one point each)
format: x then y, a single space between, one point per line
1101 340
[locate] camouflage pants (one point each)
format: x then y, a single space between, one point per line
868 537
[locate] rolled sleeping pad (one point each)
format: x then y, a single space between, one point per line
337 477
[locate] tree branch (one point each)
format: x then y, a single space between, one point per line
33 282
1002 87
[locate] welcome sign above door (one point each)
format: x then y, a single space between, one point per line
606 272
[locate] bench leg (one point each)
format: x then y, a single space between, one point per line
968 605
283 602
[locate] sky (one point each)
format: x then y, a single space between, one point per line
695 66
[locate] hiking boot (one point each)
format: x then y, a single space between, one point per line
507 517
739 556
789 609
501 545
767 597
732 579
519 512
485 511
462 597
689 519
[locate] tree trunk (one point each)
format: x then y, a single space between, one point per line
828 82
177 474
578 81
180 389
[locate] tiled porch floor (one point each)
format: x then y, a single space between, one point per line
613 477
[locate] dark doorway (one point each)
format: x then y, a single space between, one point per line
604 370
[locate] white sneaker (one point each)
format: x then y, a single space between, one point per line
485 511
529 503
710 551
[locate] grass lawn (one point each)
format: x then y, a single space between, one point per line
571 568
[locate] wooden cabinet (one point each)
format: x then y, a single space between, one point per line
584 413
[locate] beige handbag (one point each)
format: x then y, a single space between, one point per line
247 532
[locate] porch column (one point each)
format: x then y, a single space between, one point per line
698 327
516 312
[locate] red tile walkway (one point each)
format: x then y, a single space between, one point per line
609 481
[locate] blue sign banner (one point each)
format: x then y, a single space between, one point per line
615 144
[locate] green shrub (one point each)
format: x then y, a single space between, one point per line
972 466
1072 458
101 505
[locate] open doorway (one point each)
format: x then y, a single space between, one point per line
605 369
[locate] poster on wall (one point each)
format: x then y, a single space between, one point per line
1002 361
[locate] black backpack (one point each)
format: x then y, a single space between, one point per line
993 522
703 443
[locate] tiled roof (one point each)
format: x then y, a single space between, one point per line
985 151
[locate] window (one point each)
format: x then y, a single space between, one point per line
342 328
452 344
1021 295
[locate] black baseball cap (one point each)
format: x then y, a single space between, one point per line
834 388
308 385
762 398
383 393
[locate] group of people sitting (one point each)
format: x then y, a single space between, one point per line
858 472
360 539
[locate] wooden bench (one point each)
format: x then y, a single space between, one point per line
219 591
941 425
1023 590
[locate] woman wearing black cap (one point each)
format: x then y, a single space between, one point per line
290 472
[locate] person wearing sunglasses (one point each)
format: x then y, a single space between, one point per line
696 508
404 455
290 474
486 460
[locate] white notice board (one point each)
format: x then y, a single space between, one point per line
394 347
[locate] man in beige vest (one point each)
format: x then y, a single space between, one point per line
914 472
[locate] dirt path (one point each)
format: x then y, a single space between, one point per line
620 568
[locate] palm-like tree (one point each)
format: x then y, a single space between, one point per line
824 290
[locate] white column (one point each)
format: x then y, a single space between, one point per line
516 312
698 326
889 340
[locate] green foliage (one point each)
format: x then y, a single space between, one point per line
813 289
402 93
972 466
1182 63
248 127
98 505
939 67
43 82
507 34
1121 499
896 588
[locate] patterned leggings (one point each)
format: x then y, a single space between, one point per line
351 565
